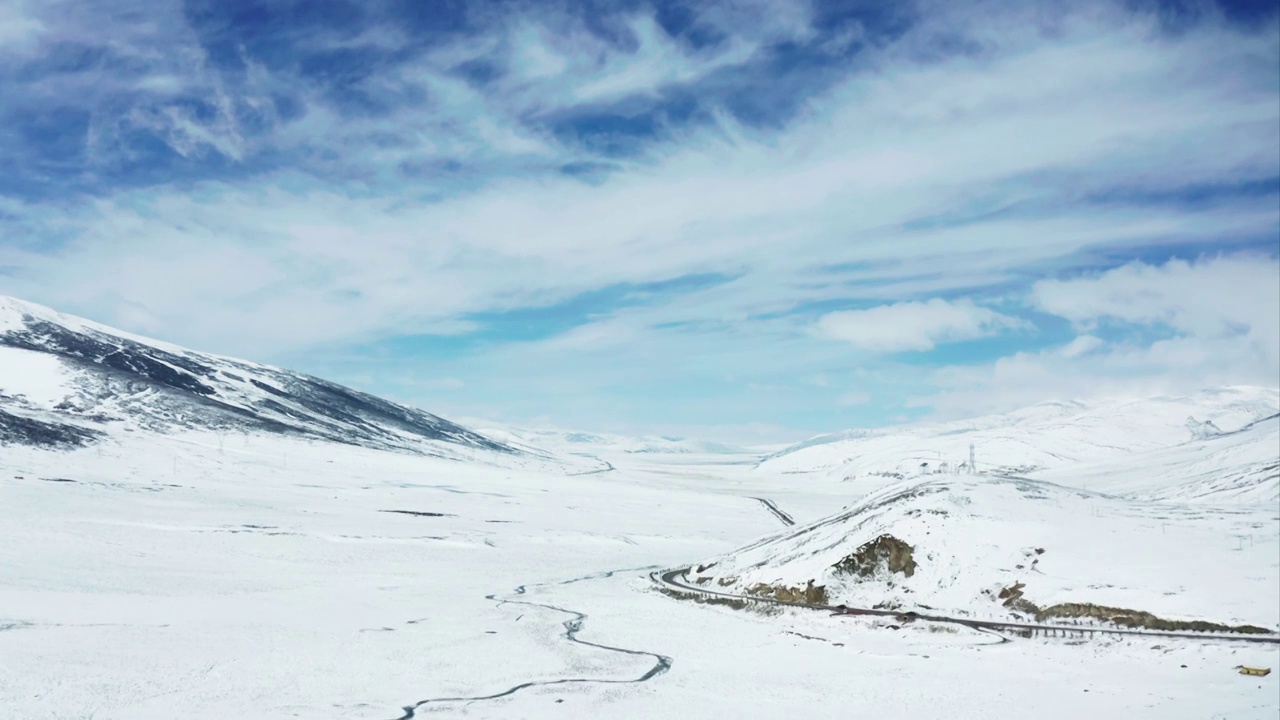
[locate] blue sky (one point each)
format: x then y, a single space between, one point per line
741 220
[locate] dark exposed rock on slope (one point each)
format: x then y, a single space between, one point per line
884 555
19 430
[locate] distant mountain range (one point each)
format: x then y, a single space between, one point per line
1044 437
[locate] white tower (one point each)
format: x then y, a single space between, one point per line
972 470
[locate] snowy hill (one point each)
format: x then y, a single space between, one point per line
1048 436
65 382
953 543
1163 506
1240 467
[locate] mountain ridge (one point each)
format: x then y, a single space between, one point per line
1042 436
69 380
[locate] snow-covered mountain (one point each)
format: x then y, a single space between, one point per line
1048 436
65 382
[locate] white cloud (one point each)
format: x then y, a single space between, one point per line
19 27
1080 346
1223 315
657 62
147 58
914 325
551 63
1167 367
1212 299
901 139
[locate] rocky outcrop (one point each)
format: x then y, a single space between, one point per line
1011 597
884 555
810 594
20 430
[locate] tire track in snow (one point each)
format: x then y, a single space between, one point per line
572 627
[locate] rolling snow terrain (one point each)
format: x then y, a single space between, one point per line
1114 504
179 541
1048 436
972 537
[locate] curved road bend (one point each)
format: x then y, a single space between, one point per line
674 580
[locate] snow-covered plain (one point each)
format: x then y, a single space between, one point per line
254 576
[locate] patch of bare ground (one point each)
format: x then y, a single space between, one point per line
810 594
1012 598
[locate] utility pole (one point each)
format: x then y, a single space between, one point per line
972 468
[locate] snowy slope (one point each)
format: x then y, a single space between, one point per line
973 536
1240 467
66 381
1131 509
1048 436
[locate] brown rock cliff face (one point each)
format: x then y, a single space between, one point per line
810 594
1011 597
884 554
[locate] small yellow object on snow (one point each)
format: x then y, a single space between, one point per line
1253 671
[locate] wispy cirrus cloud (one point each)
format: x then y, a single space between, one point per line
316 184
19 26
